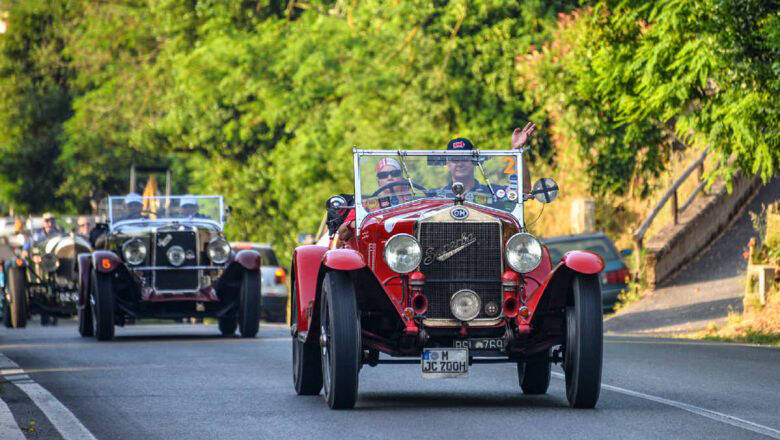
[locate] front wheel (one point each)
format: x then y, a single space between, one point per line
584 343
534 373
307 368
102 302
339 340
17 297
86 326
249 304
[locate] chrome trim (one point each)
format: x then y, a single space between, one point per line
442 322
145 268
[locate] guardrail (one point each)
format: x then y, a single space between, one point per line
671 193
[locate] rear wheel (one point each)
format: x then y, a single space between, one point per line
86 328
228 326
307 368
339 340
249 304
534 373
584 343
17 297
102 302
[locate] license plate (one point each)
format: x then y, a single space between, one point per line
495 344
441 363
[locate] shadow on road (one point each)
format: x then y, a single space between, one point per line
372 401
655 319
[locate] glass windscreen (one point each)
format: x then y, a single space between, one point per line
138 208
489 180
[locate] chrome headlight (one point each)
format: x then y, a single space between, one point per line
523 252
134 251
465 305
175 255
402 253
218 251
49 262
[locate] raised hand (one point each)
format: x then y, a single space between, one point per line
520 137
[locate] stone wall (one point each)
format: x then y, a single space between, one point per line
675 245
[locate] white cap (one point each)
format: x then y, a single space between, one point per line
133 198
188 200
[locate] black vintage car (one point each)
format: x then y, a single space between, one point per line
167 258
44 282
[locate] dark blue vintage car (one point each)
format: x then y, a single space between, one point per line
615 275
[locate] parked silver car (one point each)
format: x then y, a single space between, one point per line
274 281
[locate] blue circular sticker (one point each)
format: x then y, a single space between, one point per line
459 213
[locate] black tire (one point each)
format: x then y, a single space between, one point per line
6 312
86 324
584 343
45 319
228 326
102 303
306 364
249 304
534 373
340 353
16 287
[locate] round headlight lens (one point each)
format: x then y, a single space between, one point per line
523 252
49 262
465 305
218 251
134 251
175 255
402 253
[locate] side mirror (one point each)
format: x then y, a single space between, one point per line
226 214
626 252
545 190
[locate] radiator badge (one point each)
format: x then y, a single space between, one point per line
459 213
449 249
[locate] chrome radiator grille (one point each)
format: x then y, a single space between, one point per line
476 266
183 279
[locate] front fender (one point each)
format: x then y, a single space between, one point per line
248 258
105 261
306 263
84 262
343 259
553 294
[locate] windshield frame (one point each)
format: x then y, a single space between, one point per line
360 211
167 220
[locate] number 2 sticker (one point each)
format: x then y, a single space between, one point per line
510 165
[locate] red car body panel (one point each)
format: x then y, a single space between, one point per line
583 262
343 259
307 261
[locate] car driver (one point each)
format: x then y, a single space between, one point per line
133 205
189 207
461 168
388 170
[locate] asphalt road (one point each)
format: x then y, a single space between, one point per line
182 381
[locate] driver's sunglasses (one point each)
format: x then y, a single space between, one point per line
388 174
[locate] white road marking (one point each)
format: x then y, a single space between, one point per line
714 415
9 430
60 417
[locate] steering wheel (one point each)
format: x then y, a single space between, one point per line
399 183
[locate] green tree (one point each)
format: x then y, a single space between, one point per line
35 90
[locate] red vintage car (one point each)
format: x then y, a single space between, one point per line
431 263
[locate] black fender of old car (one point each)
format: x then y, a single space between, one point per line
243 260
309 266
